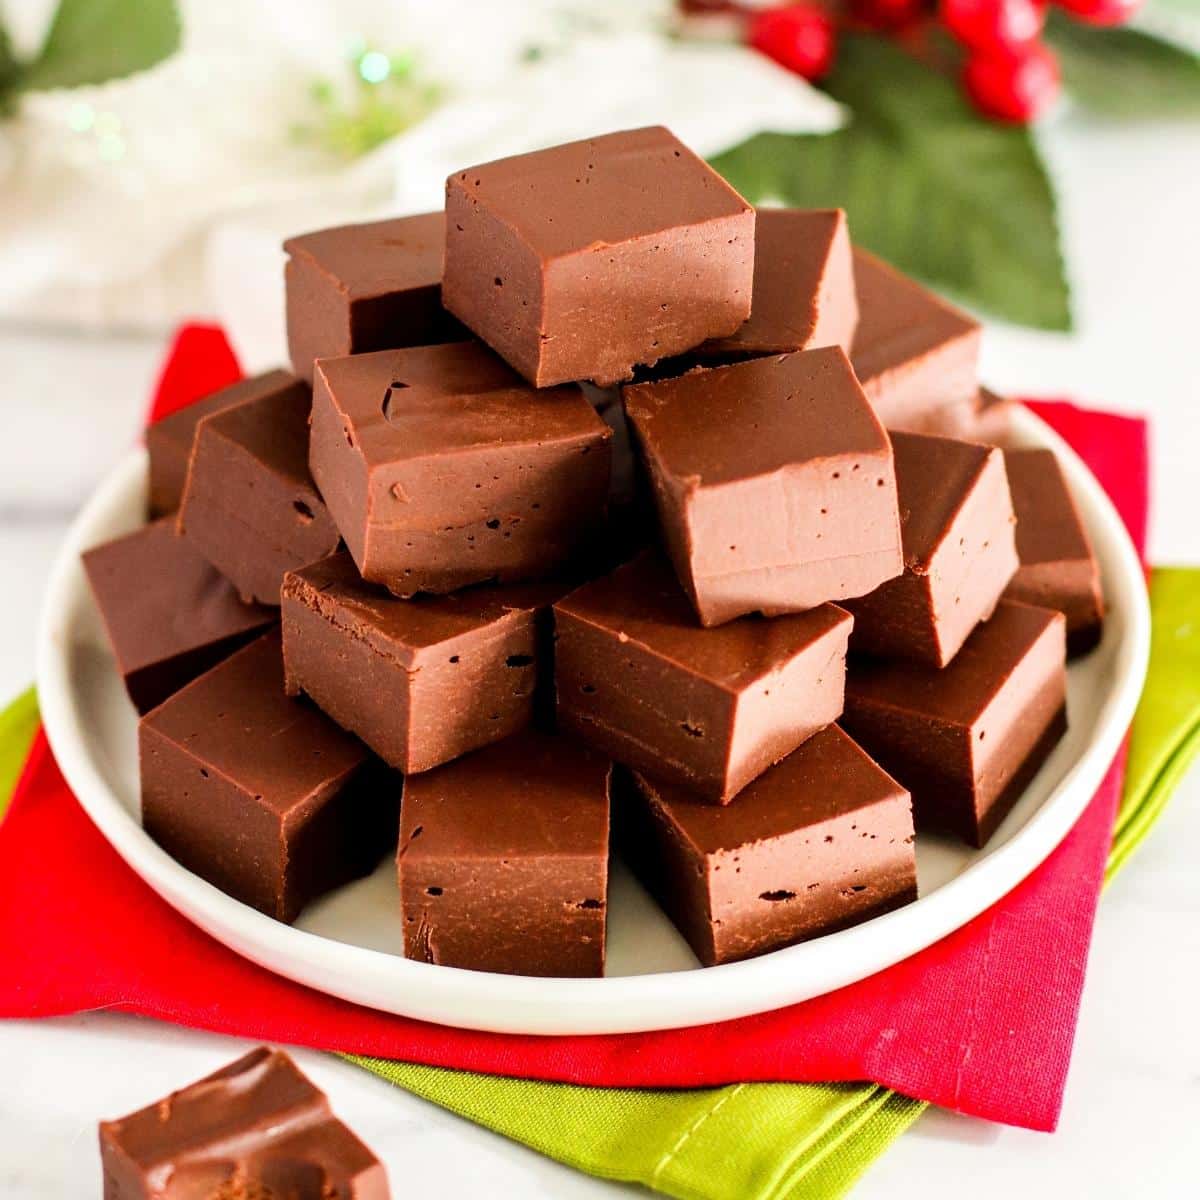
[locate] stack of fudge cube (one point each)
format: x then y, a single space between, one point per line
599 509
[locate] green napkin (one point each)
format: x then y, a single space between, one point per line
771 1141
1166 728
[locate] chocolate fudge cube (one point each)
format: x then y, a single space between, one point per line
1058 566
804 295
261 795
774 483
956 520
503 859
420 681
966 739
916 356
249 505
819 842
255 1130
374 286
709 709
168 613
169 441
584 260
442 468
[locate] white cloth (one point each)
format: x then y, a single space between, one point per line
189 219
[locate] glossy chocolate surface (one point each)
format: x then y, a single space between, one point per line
168 613
916 356
966 739
709 709
255 1130
249 505
261 795
374 286
169 441
821 841
1058 567
774 483
587 259
503 859
956 521
442 468
804 295
420 681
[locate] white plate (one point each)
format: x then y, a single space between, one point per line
349 943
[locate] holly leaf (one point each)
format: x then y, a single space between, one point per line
959 201
8 75
1125 72
94 41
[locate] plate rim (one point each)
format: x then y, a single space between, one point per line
610 1005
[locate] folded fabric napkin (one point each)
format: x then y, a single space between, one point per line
983 1021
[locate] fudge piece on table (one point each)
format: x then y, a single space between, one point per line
966 739
821 841
169 441
774 483
956 520
249 505
261 795
706 708
374 286
169 614
584 260
255 1130
804 295
1058 566
503 860
420 681
443 468
915 355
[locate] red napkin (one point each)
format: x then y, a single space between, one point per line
982 1022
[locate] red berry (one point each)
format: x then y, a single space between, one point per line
888 14
994 24
1101 12
798 36
1010 86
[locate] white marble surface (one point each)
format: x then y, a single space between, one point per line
1130 198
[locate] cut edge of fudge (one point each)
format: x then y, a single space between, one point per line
532 813
258 1121
714 872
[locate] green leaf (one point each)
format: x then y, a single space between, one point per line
959 201
8 75
1125 72
94 41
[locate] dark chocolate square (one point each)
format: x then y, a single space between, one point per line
804 296
262 796
956 520
1058 566
442 468
249 505
916 356
706 708
503 860
255 1130
966 739
169 441
420 681
374 286
584 260
169 614
774 483
821 841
